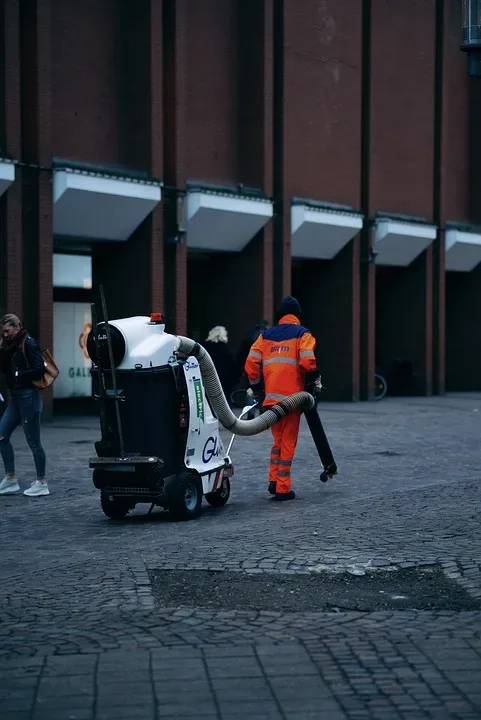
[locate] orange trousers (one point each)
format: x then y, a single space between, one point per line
285 434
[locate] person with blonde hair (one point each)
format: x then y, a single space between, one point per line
21 363
218 348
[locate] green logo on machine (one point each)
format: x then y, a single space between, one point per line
199 399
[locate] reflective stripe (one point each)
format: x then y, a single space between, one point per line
284 361
284 473
274 396
254 353
286 463
275 451
274 463
307 353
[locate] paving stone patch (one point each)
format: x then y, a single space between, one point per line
424 588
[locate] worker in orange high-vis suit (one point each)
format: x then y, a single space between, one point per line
279 363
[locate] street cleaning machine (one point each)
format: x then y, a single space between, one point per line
161 405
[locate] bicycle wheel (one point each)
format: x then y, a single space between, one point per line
238 398
380 387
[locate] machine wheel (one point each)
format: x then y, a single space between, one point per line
219 497
184 496
115 509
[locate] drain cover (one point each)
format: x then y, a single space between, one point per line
407 589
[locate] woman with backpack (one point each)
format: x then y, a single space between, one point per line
21 363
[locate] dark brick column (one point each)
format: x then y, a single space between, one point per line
367 309
439 209
175 170
282 207
137 264
256 97
36 103
156 153
10 145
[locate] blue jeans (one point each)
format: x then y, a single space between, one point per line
25 408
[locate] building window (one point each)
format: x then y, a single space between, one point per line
72 271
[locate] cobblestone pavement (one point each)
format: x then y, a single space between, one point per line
82 635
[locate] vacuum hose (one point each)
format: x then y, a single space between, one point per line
298 401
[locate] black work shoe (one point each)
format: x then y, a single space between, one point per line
285 496
272 488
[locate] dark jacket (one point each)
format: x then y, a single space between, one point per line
245 347
12 360
224 363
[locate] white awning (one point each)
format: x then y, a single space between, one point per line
7 175
224 222
321 233
97 207
398 243
463 250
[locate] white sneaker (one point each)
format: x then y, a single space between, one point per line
37 489
9 485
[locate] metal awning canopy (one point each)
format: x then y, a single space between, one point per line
463 250
320 233
224 222
98 207
7 175
398 243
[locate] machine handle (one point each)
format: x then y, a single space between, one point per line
245 410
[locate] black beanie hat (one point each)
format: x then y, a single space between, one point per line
289 306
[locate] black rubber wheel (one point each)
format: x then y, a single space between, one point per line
115 509
184 495
220 497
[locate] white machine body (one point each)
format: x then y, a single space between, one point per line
147 345
205 450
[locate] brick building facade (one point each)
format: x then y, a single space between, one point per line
207 157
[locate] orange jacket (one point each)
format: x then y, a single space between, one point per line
281 355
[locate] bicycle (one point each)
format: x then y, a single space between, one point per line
380 387
238 397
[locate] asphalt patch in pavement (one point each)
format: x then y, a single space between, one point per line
418 588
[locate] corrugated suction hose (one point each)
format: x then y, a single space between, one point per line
298 401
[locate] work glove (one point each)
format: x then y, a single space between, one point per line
317 384
257 396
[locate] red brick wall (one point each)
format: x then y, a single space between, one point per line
402 106
323 99
86 80
211 91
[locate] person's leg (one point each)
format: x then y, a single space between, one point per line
276 431
31 410
9 421
288 447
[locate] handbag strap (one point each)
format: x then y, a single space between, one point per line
23 350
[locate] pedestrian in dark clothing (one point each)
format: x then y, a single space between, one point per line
217 346
245 347
21 362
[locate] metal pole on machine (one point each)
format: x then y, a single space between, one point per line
102 390
112 370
